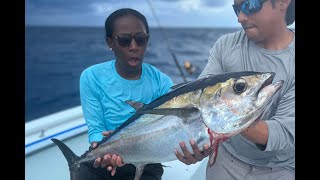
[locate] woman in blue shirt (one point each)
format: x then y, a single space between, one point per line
105 87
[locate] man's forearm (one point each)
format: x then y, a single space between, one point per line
257 133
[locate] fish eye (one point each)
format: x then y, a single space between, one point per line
240 85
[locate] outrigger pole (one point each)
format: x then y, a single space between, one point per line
167 41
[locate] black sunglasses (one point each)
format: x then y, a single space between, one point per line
248 7
124 40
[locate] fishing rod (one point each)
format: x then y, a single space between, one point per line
167 41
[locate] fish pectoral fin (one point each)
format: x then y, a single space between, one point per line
139 170
135 104
185 113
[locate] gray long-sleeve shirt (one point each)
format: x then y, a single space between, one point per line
234 52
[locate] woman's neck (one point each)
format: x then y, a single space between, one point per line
129 74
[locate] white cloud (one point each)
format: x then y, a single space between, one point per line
101 8
187 13
190 5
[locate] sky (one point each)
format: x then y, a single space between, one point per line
170 13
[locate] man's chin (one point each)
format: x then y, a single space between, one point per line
252 34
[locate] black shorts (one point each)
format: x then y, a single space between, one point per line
126 172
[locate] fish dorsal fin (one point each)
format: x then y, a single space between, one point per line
178 85
187 113
135 104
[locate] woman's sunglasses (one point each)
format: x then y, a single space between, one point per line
124 40
248 7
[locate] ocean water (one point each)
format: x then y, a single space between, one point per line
56 56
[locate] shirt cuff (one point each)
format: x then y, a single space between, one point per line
272 126
97 137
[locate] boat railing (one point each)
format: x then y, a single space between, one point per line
60 125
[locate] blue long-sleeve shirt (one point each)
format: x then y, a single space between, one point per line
103 93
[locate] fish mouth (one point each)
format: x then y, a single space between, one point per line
277 85
266 92
267 82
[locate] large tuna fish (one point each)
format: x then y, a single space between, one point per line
208 110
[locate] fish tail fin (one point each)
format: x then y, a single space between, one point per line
71 157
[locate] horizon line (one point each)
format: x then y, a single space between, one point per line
102 26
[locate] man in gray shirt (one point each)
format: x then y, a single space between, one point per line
265 150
